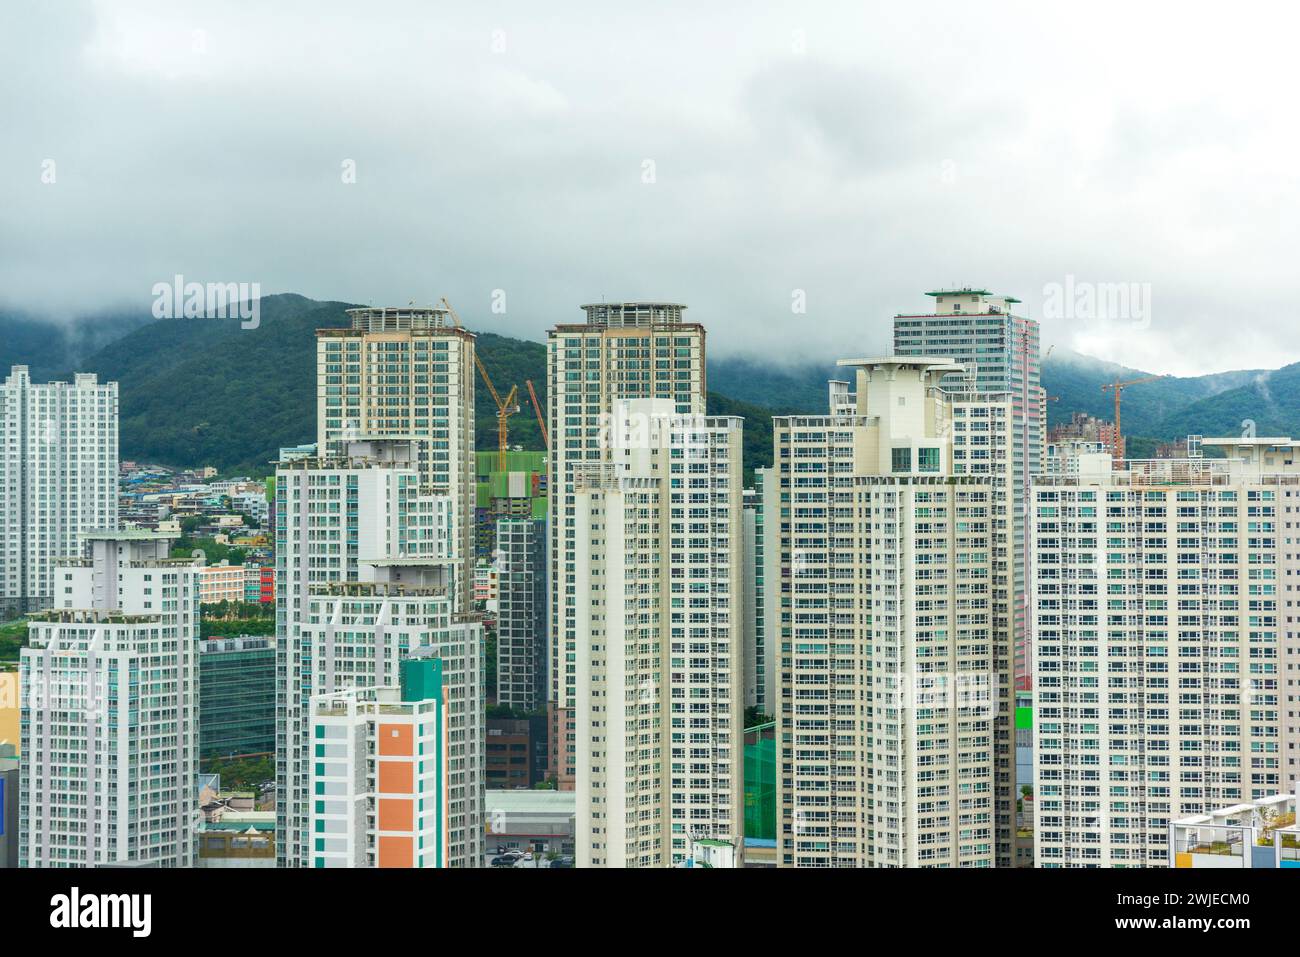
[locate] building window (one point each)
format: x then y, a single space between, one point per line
927 460
902 460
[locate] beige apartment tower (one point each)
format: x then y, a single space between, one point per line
406 373
659 685
624 350
895 640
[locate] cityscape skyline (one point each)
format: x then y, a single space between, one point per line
891 560
865 439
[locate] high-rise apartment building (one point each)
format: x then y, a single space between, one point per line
761 566
110 711
895 639
379 789
521 613
406 373
1159 609
624 350
58 479
375 549
998 353
368 574
658 698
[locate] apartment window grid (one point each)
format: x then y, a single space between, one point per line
1182 635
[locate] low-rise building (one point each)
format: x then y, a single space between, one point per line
1260 833
222 582
238 841
515 752
252 504
259 584
538 821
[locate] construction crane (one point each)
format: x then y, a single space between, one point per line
541 419
1118 387
505 408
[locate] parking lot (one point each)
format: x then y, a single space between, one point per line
536 862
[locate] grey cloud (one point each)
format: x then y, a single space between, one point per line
893 156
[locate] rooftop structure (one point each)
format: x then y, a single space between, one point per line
1261 833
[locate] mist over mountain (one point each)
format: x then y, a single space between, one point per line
209 392
52 346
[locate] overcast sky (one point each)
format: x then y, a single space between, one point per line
732 158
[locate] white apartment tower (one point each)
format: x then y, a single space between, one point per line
110 709
379 785
58 479
1158 605
999 353
893 640
659 683
624 350
367 574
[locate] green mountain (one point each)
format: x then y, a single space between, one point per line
52 349
1150 408
757 439
1271 400
786 389
510 362
208 392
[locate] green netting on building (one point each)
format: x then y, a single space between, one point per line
526 461
1025 718
760 781
524 478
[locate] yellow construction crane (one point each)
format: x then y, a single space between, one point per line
541 419
1117 452
505 408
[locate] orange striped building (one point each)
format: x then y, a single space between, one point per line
378 783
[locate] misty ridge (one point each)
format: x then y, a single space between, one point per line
200 391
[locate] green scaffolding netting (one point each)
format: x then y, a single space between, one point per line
760 782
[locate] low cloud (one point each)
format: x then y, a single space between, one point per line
841 156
